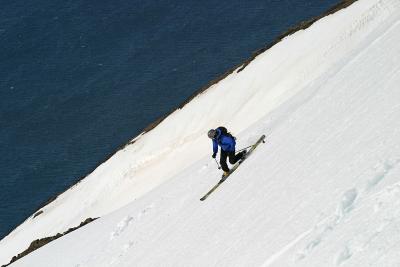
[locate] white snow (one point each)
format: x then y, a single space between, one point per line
324 190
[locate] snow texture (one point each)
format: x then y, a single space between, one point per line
324 190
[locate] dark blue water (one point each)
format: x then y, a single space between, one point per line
78 79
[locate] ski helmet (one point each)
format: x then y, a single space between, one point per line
211 133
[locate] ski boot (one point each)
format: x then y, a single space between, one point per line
243 155
225 175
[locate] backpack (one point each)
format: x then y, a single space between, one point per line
225 132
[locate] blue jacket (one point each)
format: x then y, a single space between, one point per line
226 142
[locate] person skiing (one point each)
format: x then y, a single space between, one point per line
221 137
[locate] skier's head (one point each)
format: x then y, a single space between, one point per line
212 133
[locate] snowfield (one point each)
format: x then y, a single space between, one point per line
324 190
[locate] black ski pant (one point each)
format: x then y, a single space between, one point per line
232 159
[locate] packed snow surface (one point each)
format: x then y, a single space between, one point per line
324 190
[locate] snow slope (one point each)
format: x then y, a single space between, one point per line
323 191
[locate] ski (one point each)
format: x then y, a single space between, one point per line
259 141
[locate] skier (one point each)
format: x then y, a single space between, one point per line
221 137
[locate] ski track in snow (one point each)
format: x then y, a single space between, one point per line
281 252
323 230
127 221
119 242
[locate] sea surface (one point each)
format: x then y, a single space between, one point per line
79 79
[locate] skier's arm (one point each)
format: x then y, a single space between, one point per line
215 146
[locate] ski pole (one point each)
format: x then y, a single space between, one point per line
219 167
243 149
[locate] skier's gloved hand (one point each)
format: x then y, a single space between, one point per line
214 155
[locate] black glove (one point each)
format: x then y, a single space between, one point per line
214 155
